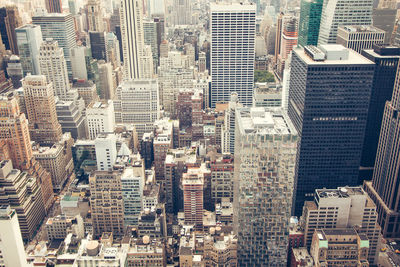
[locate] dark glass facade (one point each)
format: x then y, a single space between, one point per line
328 104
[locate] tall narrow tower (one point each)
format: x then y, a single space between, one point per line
132 37
233 28
41 109
385 186
94 16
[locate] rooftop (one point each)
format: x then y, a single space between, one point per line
361 28
227 6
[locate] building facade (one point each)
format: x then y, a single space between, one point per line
359 37
29 39
310 19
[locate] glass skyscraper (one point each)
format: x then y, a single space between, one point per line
310 19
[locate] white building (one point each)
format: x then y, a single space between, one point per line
78 62
359 37
137 102
106 151
94 16
132 37
342 12
12 252
228 129
233 29
29 38
100 118
132 182
54 67
265 159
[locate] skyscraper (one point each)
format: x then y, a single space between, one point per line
232 53
182 12
59 27
94 16
41 109
9 21
54 6
193 206
11 245
359 38
386 59
29 38
98 45
385 186
132 37
342 12
265 157
310 19
329 93
53 66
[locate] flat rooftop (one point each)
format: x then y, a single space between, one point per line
227 6
260 120
341 192
361 28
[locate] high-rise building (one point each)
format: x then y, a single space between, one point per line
11 245
41 109
100 118
345 207
80 62
182 14
265 158
15 71
105 84
98 45
94 16
54 6
86 90
60 27
310 19
22 192
70 117
329 93
232 62
106 151
132 184
106 202
151 38
385 19
342 13
29 39
289 36
278 37
385 186
137 102
359 38
11 20
193 206
132 37
222 178
228 130
53 65
386 59
112 50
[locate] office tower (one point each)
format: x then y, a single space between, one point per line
41 109
228 130
132 37
232 63
150 38
278 37
310 19
57 160
132 183
106 151
265 157
339 247
164 48
106 202
329 110
345 207
22 192
182 12
14 128
112 50
386 59
384 188
100 118
59 27
359 38
54 6
94 16
222 178
11 245
385 19
163 141
29 39
147 63
86 90
80 59
98 45
193 184
12 20
342 13
70 117
14 71
289 36
53 65
105 84
137 102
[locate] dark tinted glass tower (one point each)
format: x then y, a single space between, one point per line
329 94
98 45
386 59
